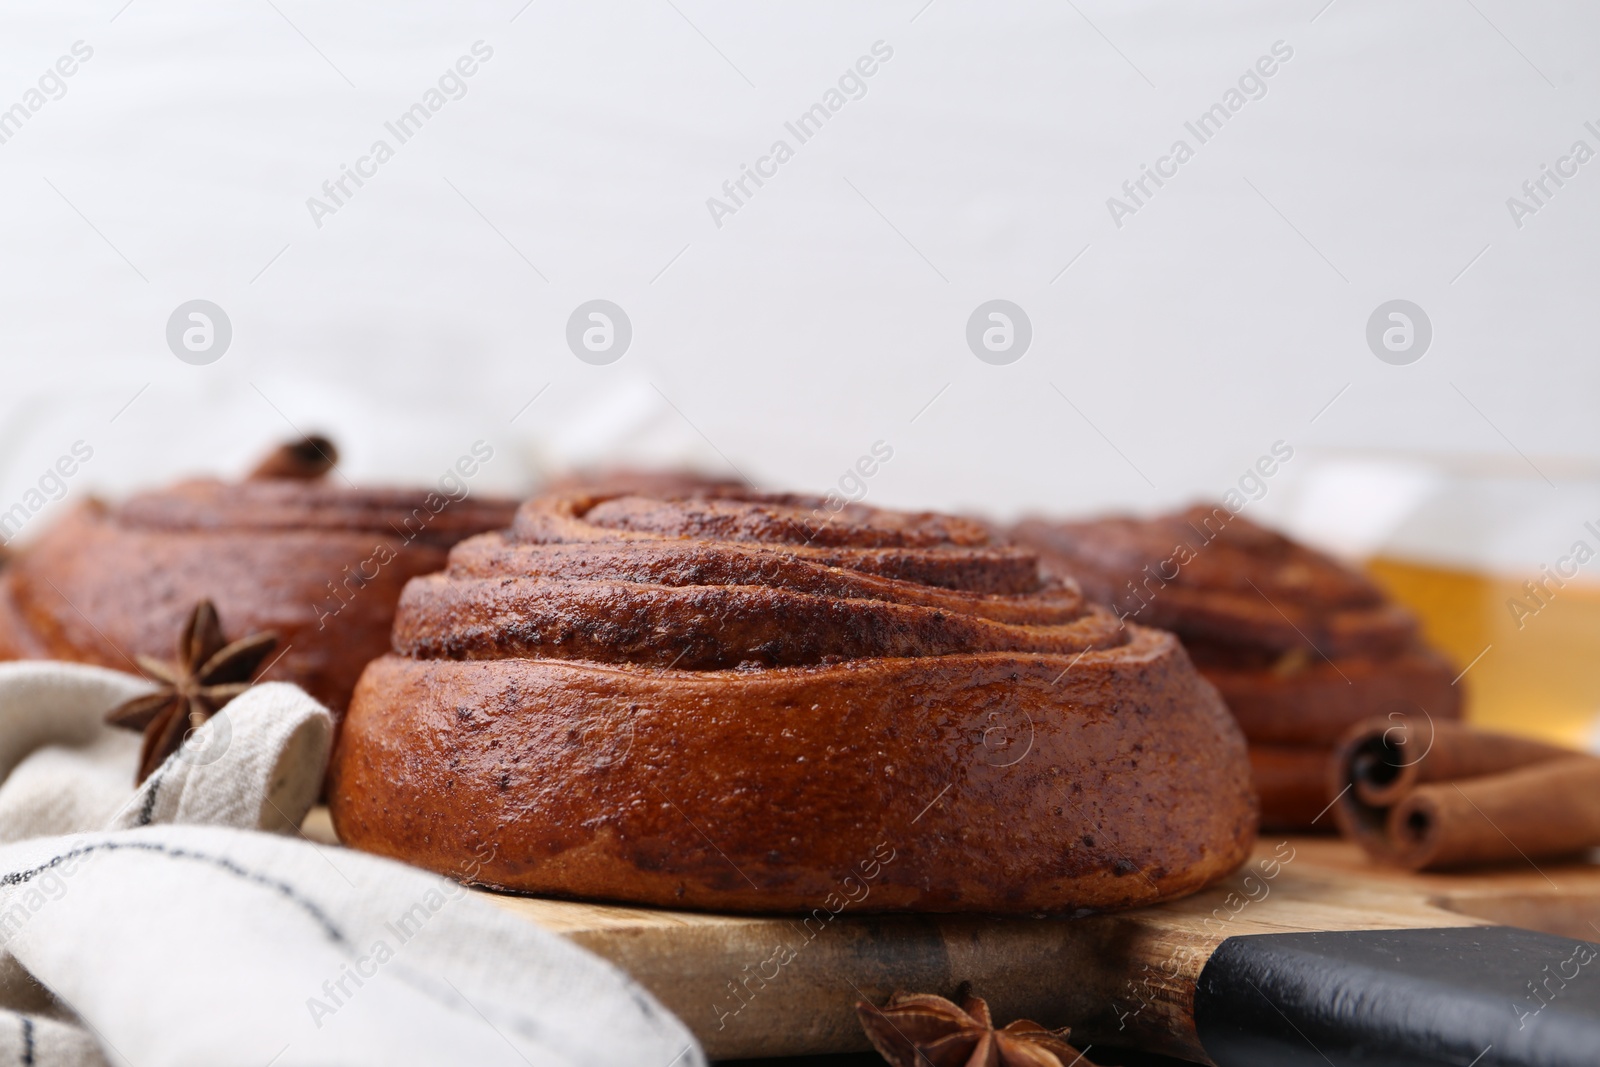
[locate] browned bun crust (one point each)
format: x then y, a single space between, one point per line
1244 585
16 642
717 699
1300 646
320 564
1307 701
1292 784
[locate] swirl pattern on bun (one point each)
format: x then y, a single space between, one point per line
715 698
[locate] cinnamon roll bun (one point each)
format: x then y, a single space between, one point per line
319 563
1300 646
730 700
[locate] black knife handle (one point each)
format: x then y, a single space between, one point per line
1484 996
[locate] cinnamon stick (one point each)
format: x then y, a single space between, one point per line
1428 796
1391 757
1545 809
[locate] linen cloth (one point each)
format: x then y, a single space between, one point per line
184 923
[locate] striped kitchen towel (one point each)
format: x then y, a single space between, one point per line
186 923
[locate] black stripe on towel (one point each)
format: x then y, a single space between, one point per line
221 863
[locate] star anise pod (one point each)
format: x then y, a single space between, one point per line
208 673
921 1030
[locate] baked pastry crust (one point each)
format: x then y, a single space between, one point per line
1300 646
727 700
320 564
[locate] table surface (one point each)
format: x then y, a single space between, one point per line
1093 972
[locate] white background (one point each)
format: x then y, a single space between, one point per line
831 309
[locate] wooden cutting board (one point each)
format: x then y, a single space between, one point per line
1292 959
